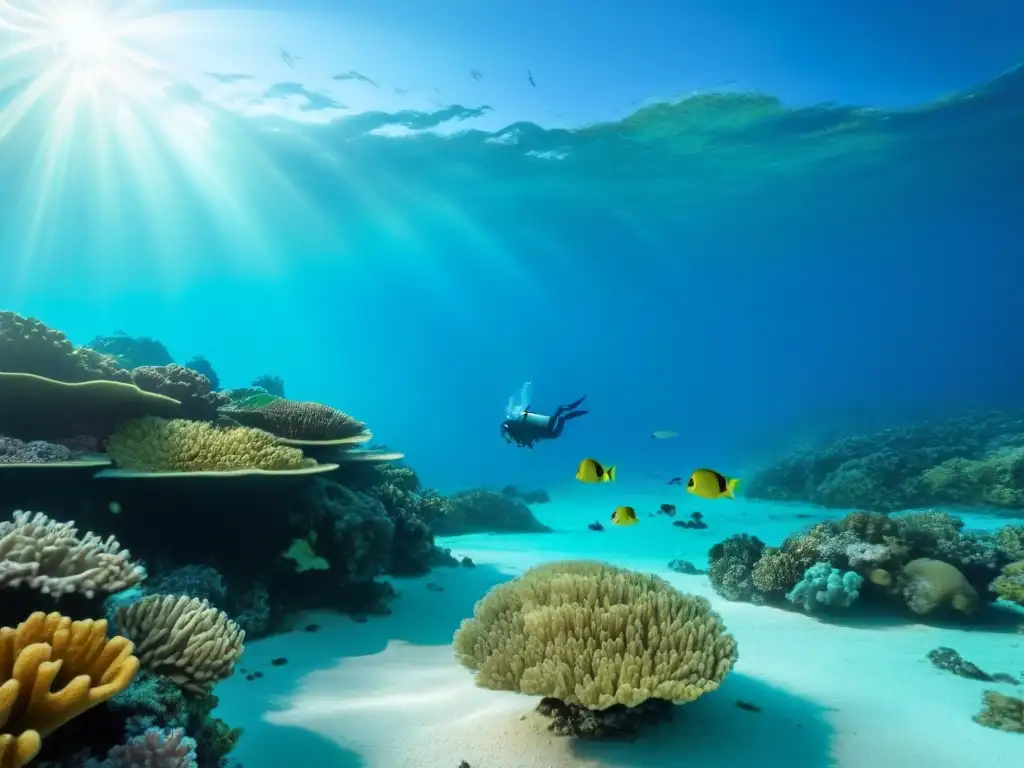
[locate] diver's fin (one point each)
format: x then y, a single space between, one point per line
609 475
574 414
574 406
730 488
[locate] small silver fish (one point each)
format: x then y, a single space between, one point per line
664 434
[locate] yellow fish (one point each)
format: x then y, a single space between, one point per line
709 484
624 516
591 471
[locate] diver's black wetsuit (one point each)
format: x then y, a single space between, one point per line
530 428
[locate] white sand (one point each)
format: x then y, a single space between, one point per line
389 694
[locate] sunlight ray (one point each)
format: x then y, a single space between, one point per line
88 87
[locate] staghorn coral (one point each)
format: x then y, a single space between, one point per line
731 566
155 748
182 639
13 451
932 585
1010 583
776 571
591 634
192 389
29 346
297 420
152 444
50 557
48 650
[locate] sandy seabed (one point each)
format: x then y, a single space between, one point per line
388 692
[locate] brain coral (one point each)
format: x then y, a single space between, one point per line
152 444
591 634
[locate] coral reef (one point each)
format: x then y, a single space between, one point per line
775 571
731 567
51 409
538 496
949 660
153 749
1004 713
131 352
480 509
924 561
190 483
202 366
591 635
1010 583
29 346
971 459
273 385
189 387
14 451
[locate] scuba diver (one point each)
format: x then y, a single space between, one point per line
526 428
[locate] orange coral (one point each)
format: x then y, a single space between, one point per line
54 669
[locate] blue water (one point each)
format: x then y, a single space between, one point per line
753 245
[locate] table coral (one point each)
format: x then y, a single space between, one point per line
152 444
300 421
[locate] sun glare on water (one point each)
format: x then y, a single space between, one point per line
88 91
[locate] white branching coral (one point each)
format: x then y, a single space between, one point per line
43 554
591 634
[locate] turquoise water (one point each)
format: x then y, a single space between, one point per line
805 278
